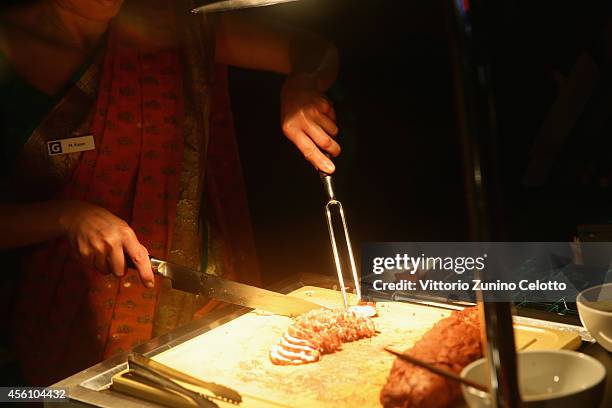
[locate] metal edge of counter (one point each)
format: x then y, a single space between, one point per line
90 387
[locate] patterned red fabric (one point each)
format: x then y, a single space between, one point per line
69 317
226 190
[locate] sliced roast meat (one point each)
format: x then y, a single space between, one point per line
319 332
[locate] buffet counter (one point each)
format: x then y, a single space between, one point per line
229 347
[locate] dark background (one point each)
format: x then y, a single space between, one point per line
400 176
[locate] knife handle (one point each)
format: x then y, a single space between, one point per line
154 263
129 263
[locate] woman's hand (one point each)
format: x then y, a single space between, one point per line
308 119
311 63
103 240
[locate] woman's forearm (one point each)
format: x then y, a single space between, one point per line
260 45
26 224
314 57
308 118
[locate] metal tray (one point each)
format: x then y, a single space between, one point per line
91 387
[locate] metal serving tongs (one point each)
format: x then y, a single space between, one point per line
162 376
332 202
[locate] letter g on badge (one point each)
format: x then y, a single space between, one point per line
54 147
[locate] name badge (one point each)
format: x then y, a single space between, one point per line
72 145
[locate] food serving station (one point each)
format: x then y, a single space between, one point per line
231 346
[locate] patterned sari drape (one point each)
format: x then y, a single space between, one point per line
148 114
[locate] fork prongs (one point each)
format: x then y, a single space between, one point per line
349 249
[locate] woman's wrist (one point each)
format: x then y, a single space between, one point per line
66 212
27 224
314 57
300 81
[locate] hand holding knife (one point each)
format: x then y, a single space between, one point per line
189 280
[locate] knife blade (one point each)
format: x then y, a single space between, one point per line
214 6
189 280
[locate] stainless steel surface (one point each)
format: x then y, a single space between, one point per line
236 293
500 351
332 203
328 186
479 131
90 387
228 5
138 362
143 373
434 301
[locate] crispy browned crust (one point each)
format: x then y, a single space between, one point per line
452 343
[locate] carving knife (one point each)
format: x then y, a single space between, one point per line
213 6
189 280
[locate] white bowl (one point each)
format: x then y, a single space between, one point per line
547 378
595 310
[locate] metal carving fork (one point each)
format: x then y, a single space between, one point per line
332 203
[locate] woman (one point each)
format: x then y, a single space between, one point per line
106 141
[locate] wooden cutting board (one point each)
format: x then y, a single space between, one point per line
236 355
